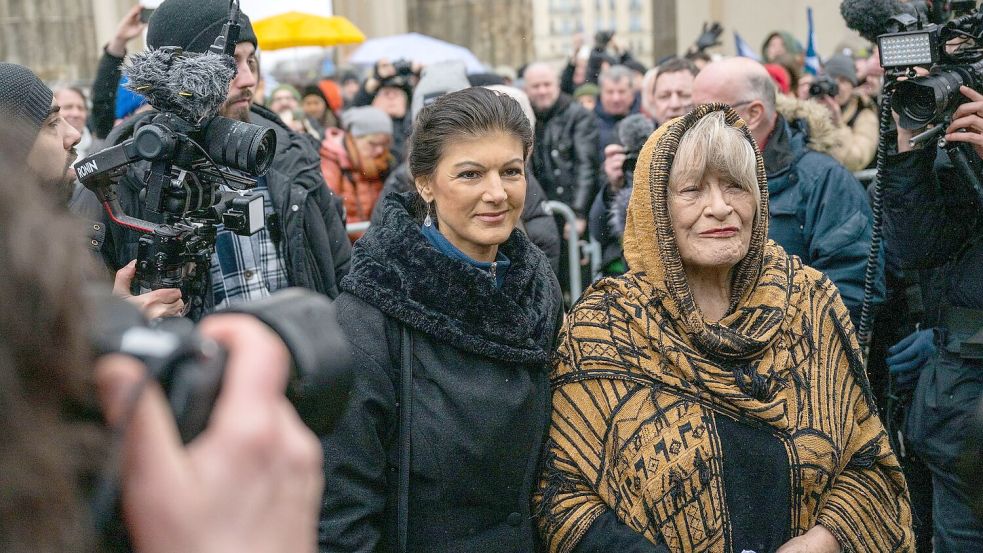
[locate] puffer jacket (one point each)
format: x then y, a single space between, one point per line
565 156
535 221
480 400
819 211
309 223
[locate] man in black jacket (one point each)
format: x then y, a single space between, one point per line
304 243
933 225
565 158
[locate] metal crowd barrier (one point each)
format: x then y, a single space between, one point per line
866 176
573 244
358 227
591 249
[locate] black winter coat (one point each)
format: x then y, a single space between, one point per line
565 156
480 402
313 240
539 225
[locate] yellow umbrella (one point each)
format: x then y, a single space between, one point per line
292 29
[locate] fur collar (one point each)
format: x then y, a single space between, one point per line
397 270
813 119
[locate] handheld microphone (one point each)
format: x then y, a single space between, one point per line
633 131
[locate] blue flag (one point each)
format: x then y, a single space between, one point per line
744 49
812 58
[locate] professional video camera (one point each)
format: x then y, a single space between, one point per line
954 53
824 86
201 166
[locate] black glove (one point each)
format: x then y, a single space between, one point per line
709 37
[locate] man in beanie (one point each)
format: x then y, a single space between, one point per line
355 160
854 115
304 242
47 140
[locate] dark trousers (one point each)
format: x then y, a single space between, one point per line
945 399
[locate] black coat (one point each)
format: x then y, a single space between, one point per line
313 240
565 157
480 402
539 225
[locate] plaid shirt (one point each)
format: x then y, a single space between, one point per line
246 268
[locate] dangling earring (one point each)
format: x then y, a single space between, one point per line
428 222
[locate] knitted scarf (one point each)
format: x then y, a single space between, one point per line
641 381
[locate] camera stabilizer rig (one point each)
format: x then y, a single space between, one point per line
191 154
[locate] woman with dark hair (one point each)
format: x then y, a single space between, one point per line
451 314
714 397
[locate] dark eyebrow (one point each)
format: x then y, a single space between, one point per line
52 113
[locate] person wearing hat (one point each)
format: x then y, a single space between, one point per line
284 97
355 160
317 107
304 242
854 115
586 95
46 140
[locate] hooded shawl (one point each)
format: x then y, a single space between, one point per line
642 386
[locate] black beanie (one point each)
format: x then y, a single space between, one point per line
24 98
193 24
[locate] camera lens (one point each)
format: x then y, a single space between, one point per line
925 100
243 146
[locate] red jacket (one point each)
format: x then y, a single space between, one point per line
358 184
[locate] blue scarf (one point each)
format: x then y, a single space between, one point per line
443 245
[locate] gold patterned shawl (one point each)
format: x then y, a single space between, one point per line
640 379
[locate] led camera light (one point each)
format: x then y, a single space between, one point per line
908 49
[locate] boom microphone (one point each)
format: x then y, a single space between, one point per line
633 131
872 18
192 86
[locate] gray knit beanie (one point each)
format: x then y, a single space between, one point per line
841 65
193 24
366 120
24 98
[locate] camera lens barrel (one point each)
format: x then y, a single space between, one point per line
923 100
242 146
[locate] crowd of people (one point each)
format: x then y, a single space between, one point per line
708 391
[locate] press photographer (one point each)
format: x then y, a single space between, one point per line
251 482
933 226
303 240
854 115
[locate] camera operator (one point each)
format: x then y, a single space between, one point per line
304 242
251 482
933 219
854 115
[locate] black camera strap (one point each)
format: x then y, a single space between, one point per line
404 402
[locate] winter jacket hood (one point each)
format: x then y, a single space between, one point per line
397 270
811 118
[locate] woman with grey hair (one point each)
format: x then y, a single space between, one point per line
714 397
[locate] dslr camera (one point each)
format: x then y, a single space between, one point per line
824 86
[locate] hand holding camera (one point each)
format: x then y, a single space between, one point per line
967 121
155 304
244 479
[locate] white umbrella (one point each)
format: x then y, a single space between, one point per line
414 47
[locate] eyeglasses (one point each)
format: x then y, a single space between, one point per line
738 104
